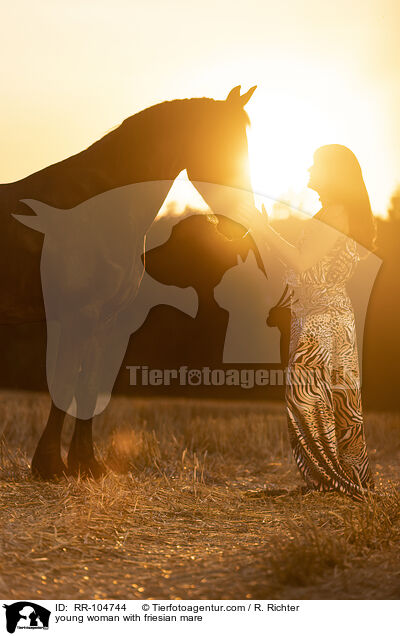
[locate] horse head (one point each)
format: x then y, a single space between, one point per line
217 160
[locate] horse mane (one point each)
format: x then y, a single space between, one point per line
174 112
177 106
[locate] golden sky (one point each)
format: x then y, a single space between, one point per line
327 72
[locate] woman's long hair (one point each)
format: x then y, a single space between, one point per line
342 182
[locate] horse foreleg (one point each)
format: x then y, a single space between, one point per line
97 377
62 367
47 462
81 458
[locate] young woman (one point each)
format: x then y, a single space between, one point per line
323 389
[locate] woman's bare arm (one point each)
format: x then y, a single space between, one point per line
320 238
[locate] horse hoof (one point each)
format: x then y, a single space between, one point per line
48 468
87 469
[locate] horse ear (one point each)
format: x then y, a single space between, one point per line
246 97
234 95
239 260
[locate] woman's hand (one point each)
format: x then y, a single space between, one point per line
255 221
259 220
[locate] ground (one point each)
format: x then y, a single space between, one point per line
189 515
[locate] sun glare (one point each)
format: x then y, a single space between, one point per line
302 106
283 136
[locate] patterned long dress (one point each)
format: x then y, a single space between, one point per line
323 397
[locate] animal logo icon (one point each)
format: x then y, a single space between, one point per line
194 376
26 615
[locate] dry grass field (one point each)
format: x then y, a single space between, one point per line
186 515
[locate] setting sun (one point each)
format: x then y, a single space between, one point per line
318 79
287 126
286 129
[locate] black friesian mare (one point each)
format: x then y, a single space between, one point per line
204 136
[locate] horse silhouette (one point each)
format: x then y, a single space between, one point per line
195 256
245 292
205 136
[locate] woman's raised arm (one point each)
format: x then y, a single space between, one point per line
319 239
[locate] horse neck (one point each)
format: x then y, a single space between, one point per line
135 152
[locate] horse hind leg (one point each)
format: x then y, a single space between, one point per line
47 462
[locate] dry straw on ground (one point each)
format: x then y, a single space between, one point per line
188 516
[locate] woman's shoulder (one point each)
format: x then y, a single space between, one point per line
336 216
328 228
